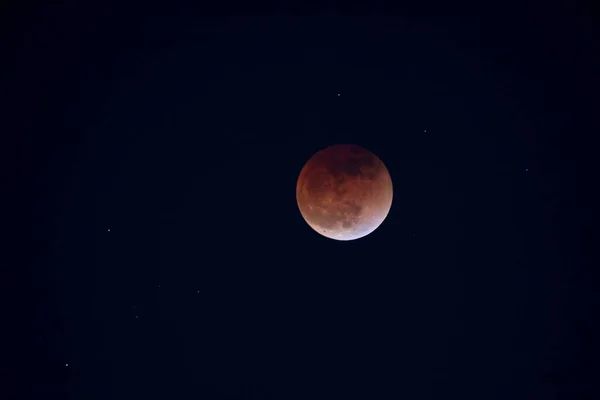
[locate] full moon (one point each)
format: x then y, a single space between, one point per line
344 192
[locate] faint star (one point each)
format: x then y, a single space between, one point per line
109 230
338 95
425 130
66 365
136 317
526 169
198 291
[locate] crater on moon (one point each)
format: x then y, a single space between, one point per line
344 192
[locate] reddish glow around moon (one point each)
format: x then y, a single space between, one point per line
344 192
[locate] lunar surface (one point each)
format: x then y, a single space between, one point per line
344 192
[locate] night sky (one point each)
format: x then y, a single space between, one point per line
151 156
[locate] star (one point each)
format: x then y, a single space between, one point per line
109 230
66 365
526 169
338 95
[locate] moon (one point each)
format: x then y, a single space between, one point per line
344 192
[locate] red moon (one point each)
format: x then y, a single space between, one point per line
344 192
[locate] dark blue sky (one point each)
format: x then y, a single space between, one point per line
183 131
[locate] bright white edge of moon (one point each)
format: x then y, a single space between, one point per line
356 232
